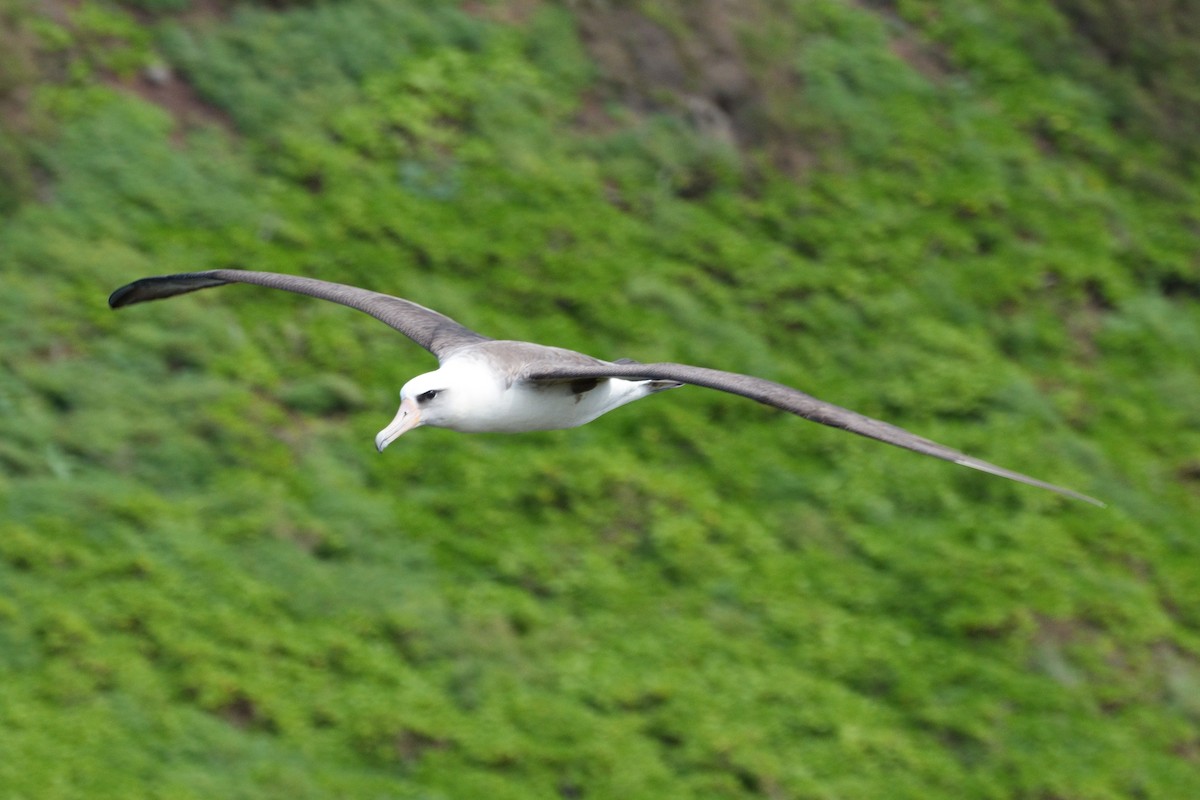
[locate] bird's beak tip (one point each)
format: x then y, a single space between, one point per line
407 418
392 432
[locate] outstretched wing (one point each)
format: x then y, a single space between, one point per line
790 400
435 332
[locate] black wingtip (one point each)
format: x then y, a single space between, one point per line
120 297
140 291
163 286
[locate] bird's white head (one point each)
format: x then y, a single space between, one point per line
449 397
419 405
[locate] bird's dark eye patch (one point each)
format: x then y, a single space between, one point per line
425 397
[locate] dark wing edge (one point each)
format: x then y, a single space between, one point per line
435 332
796 402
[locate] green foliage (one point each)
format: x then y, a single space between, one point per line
213 587
272 71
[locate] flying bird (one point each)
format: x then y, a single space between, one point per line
490 385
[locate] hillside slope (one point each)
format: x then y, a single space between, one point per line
975 220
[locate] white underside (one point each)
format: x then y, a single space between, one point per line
525 407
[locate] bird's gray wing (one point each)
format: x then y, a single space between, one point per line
787 399
435 332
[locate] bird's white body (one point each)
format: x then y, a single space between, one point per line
474 398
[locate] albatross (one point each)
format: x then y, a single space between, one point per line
500 386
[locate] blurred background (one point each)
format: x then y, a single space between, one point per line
976 219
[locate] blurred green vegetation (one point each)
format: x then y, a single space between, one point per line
967 218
